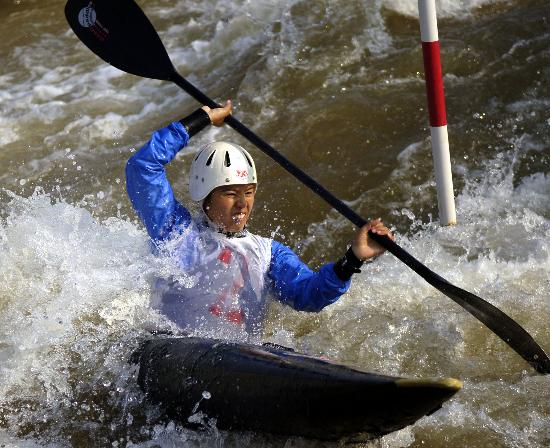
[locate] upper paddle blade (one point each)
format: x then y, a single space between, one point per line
119 33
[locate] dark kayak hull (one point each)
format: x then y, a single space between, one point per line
255 388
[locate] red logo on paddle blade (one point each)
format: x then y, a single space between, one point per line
87 17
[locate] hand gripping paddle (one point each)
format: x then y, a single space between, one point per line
119 33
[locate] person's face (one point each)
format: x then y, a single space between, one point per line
230 206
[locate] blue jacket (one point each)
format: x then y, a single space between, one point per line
151 194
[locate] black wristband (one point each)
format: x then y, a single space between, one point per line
348 265
196 122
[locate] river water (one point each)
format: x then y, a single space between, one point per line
337 86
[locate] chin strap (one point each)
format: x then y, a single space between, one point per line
239 234
215 227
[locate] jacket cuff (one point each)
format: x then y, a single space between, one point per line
196 122
348 265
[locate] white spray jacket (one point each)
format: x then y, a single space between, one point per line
227 279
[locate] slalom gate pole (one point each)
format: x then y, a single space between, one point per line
436 108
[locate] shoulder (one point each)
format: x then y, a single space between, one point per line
256 248
262 244
278 249
284 258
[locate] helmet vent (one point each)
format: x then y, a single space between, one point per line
247 159
227 159
209 161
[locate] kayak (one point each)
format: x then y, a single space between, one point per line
270 389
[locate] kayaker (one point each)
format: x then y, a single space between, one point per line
227 272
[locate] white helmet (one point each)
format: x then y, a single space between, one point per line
217 164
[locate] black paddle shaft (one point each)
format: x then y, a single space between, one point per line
119 33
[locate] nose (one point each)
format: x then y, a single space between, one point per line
241 201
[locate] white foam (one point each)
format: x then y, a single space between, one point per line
445 8
8 133
59 269
49 92
110 126
73 285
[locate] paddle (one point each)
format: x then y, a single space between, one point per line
119 33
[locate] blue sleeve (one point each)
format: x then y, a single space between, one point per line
147 185
300 287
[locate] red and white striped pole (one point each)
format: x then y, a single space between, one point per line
436 108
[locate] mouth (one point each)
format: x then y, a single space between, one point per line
237 217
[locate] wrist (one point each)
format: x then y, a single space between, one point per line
348 265
361 259
196 122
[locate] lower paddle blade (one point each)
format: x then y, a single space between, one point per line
499 323
119 33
